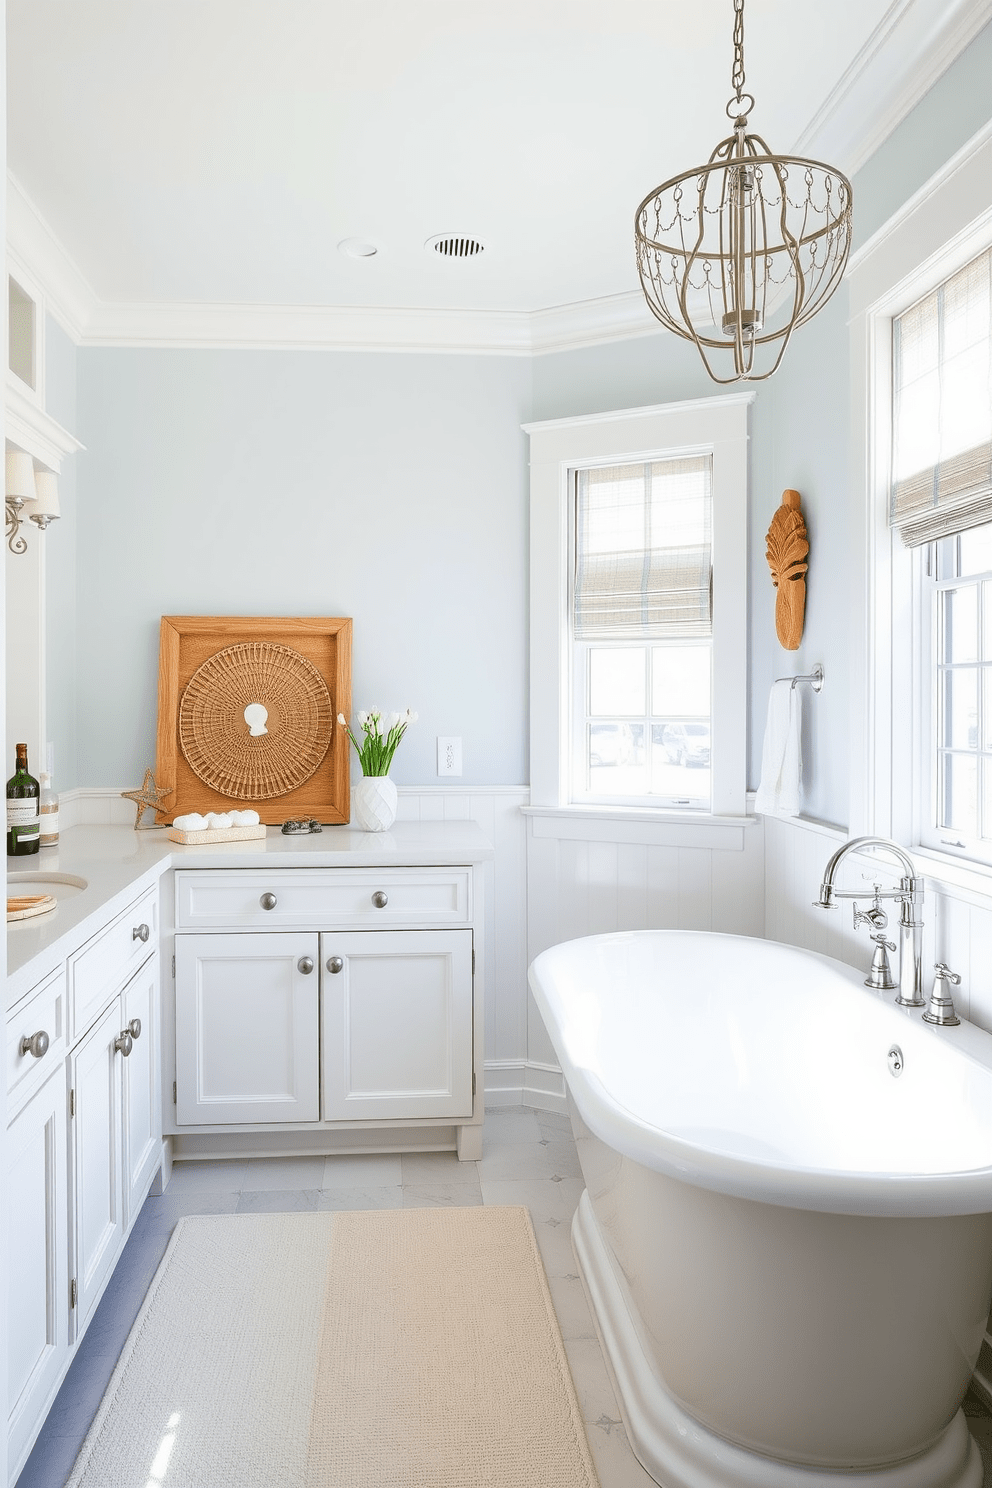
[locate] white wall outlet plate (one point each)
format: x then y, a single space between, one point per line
449 755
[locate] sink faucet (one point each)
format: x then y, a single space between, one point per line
909 895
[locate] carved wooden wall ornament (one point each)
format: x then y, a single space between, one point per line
787 551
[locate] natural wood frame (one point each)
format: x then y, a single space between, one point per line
184 643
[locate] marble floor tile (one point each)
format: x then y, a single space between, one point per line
545 1157
509 1124
284 1172
222 1176
438 1167
278 1201
163 1212
378 1170
441 1195
389 1196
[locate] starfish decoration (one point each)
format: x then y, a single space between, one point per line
148 798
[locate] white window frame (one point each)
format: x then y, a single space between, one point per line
942 227
559 446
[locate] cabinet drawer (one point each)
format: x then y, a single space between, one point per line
323 899
100 968
43 1010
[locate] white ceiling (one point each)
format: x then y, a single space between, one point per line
215 152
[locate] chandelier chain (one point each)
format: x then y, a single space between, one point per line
737 76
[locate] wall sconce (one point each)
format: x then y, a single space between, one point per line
28 493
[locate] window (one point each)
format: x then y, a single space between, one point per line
638 609
941 504
641 632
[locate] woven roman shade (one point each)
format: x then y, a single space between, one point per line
942 408
643 550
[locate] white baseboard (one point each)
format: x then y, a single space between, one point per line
524 1083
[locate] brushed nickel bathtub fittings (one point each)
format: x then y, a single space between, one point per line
896 1061
909 895
941 1009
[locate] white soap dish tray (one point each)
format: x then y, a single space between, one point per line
215 834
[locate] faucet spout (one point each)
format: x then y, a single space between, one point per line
910 896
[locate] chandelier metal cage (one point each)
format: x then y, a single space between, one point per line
736 253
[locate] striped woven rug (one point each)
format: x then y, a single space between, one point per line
415 1348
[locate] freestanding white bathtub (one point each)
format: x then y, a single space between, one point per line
786 1231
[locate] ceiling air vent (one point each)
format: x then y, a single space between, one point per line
455 245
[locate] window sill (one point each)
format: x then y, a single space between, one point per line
971 882
638 824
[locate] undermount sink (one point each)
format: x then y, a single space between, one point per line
59 885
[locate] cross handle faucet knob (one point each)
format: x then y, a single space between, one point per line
945 974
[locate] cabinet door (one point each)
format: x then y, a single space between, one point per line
397 1024
38 1273
142 1106
247 1038
96 1176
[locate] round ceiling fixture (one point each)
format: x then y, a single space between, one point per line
357 248
455 245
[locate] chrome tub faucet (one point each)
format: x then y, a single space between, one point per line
909 895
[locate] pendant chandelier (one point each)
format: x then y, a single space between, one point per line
736 253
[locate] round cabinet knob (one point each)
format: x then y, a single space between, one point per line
268 901
379 899
305 964
140 932
335 964
36 1044
123 1043
134 1028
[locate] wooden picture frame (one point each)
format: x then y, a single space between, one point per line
185 643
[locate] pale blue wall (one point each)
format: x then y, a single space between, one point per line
389 488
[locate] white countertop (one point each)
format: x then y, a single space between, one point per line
120 863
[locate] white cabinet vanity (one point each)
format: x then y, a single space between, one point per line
292 996
326 1009
82 1147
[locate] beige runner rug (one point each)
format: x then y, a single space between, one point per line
397 1348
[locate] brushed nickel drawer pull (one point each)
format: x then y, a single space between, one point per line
268 901
305 964
123 1043
335 964
35 1043
379 899
134 1028
140 932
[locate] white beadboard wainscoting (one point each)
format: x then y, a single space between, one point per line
592 872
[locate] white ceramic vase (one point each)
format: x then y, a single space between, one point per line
375 803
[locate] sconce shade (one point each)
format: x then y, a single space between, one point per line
20 484
45 507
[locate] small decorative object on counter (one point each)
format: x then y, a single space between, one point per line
148 798
193 829
294 827
787 550
375 793
23 816
49 802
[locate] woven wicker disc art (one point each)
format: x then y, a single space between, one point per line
283 738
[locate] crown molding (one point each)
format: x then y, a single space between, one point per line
30 428
913 44
31 240
916 41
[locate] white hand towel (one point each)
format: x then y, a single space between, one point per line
781 756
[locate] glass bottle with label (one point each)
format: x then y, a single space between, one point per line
49 803
23 814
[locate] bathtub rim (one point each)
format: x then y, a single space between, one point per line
834 1191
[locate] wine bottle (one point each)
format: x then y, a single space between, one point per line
23 814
